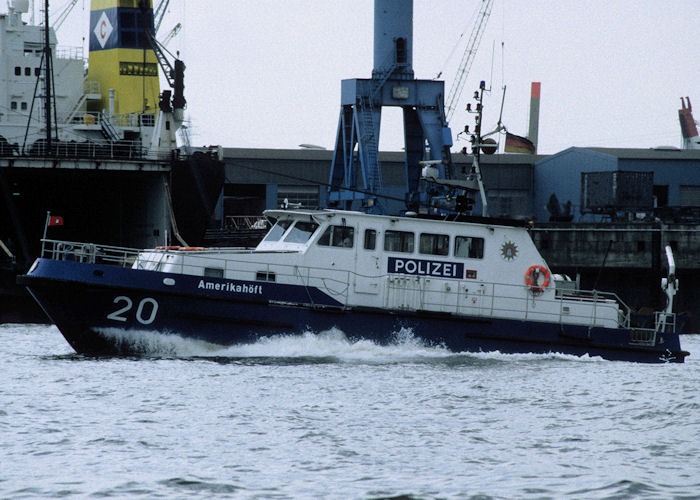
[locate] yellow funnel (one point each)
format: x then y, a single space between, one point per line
121 57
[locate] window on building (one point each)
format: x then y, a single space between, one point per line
278 230
434 244
37 71
18 71
469 247
689 196
303 195
401 51
24 106
27 71
398 241
13 105
337 236
370 239
33 49
661 196
301 232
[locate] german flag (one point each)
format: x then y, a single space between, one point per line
517 144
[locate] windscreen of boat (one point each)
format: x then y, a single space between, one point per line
301 232
278 230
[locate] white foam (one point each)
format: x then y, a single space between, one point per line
532 356
334 343
154 343
331 343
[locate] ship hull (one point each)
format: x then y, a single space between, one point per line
103 310
117 202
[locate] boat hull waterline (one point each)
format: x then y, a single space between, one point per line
103 310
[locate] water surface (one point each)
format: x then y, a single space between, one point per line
320 416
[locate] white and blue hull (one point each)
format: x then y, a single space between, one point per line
91 302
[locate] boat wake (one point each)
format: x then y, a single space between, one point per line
326 346
157 344
331 344
335 345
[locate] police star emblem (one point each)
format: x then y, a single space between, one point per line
509 250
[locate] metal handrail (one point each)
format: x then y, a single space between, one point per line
125 120
241 222
122 150
66 52
493 298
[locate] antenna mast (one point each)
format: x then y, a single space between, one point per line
47 80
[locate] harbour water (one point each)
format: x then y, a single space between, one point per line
321 416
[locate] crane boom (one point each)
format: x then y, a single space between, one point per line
159 14
63 14
468 58
171 34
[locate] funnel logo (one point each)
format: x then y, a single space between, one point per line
103 29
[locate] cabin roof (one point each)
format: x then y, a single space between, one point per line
426 219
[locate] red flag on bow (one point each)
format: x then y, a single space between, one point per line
55 220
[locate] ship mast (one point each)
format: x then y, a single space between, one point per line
47 79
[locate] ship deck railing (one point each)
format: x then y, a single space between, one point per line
245 222
69 52
417 294
116 150
124 120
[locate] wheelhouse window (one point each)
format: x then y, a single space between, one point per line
301 232
399 241
370 239
434 244
469 247
213 272
265 276
337 236
278 230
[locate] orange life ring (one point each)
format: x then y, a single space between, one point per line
532 278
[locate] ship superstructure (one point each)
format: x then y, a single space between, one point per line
22 71
114 99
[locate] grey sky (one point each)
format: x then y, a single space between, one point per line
267 73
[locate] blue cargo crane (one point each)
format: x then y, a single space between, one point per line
355 171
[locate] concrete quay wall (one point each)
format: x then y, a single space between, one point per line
620 246
634 265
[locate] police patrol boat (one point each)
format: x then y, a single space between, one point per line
467 284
